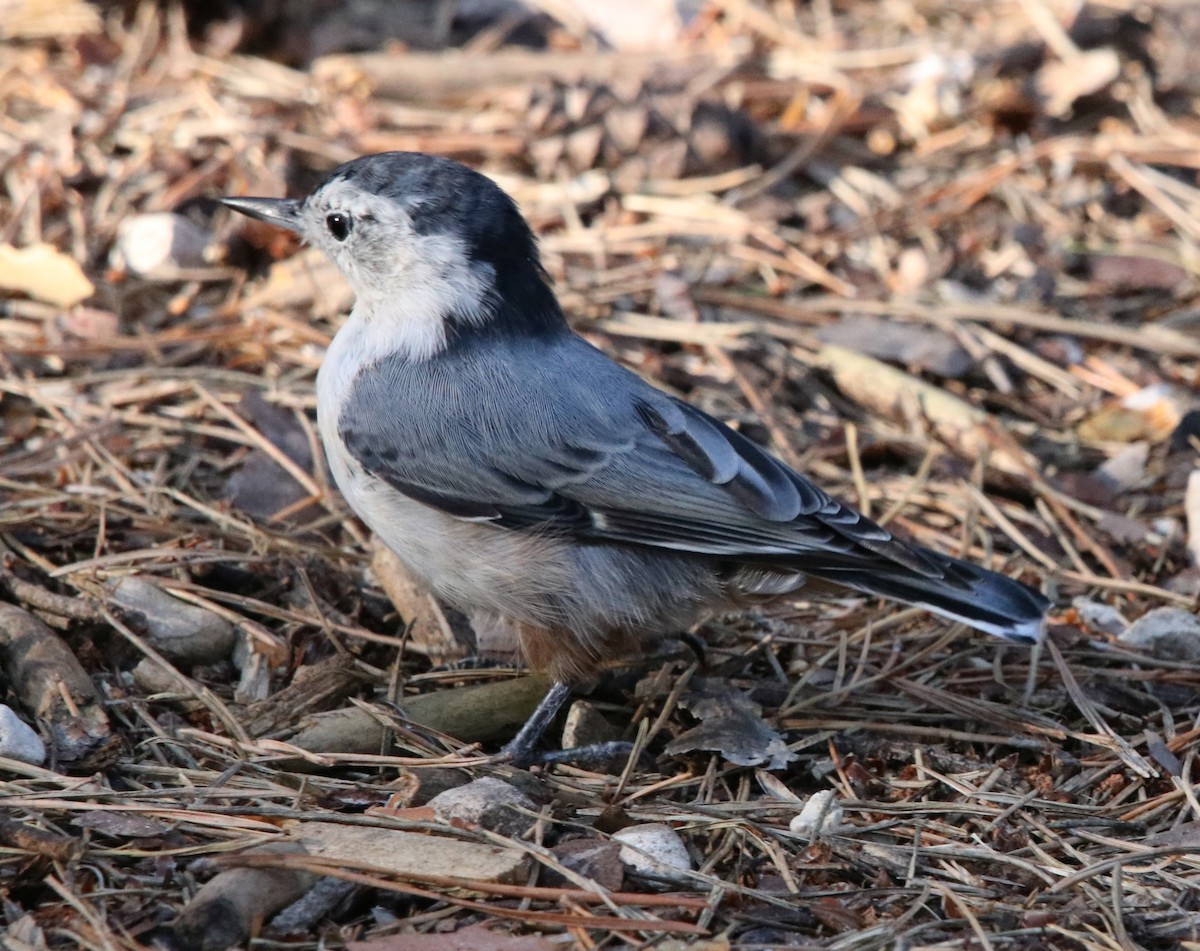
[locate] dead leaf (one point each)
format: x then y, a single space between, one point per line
1132 272
835 914
1063 82
43 273
127 825
1186 835
595 859
732 725
921 347
261 487
1151 413
475 938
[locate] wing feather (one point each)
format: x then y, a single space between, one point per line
563 440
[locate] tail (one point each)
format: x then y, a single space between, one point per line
985 600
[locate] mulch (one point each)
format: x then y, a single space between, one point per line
941 257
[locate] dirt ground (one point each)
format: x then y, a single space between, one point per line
942 257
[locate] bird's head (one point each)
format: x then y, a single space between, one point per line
423 235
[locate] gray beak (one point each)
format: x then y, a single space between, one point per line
284 212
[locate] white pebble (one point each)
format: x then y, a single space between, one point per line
819 814
157 243
487 802
18 740
653 849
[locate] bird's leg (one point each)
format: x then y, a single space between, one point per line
519 750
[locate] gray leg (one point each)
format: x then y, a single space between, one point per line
519 750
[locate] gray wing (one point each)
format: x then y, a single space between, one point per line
550 435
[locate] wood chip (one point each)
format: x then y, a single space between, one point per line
883 389
409 854
44 273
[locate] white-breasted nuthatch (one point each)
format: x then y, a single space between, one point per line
524 475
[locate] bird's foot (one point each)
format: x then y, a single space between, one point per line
521 750
593 756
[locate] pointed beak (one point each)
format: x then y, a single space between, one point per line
284 212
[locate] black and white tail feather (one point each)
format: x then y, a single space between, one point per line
981 599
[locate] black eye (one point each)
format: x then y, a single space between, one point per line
339 225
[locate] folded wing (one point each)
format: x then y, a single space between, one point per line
552 436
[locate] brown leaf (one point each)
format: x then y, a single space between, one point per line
126 825
412 853
834 915
475 938
1151 413
1135 272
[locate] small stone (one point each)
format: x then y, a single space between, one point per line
487 802
655 850
156 244
18 740
185 633
820 814
594 859
1125 469
1187 583
1169 633
1099 616
587 726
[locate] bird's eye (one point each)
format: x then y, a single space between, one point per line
339 225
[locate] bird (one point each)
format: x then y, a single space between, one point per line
531 481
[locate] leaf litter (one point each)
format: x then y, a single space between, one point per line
944 258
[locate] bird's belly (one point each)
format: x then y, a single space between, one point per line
471 565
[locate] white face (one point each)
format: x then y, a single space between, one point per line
407 283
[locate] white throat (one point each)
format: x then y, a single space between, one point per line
407 319
407 312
